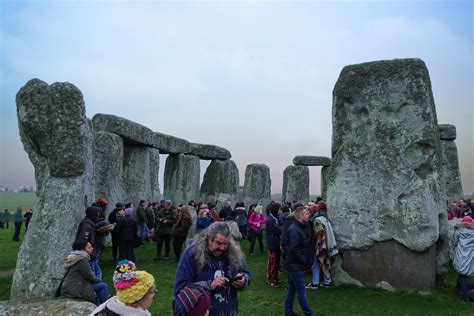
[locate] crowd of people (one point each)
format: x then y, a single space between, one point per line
18 219
211 267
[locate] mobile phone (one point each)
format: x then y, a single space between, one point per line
236 278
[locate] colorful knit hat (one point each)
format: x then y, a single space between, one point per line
467 219
131 285
191 301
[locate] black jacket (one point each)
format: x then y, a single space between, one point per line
273 233
127 229
299 247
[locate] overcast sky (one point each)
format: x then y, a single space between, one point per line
253 77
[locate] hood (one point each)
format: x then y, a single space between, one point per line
74 257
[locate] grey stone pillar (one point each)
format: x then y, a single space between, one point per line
384 178
136 174
222 176
154 174
58 139
257 184
324 182
108 167
295 184
452 176
181 180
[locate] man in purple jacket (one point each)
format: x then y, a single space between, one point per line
215 263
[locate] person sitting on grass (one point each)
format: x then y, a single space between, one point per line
79 282
135 292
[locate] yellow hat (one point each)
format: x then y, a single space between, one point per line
131 285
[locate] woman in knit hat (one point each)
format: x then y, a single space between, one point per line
135 292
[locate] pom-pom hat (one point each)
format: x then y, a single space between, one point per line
131 285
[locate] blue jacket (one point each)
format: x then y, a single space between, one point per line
224 299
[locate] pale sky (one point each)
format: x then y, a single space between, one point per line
253 77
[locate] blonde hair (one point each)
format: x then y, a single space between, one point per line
258 209
201 212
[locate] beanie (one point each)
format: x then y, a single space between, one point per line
191 301
131 285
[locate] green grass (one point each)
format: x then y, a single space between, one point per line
258 299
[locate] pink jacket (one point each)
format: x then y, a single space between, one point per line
256 222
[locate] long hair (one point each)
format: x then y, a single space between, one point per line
202 254
184 213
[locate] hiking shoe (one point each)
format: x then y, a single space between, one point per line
311 286
328 285
273 284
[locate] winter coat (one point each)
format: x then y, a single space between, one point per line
241 216
180 229
224 299
127 228
299 249
164 229
113 307
203 223
273 230
140 215
78 281
288 220
18 217
225 212
234 230
256 222
463 240
86 230
150 217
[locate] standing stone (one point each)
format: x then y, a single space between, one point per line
295 184
324 182
108 167
154 174
257 183
452 176
181 180
384 182
136 174
222 176
58 139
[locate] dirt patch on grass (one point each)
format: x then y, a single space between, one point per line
6 273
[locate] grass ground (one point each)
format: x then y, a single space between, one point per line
259 299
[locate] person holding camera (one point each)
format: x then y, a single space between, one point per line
215 263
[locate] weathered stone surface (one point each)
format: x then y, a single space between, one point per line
181 179
65 185
384 181
447 131
43 111
384 285
257 182
136 172
108 167
451 174
311 161
222 176
136 134
295 184
209 152
324 182
341 277
387 261
443 245
48 307
154 174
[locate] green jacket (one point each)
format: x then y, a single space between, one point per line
164 229
79 278
18 217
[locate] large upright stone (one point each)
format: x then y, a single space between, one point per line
257 183
209 152
311 161
181 179
324 182
108 167
452 176
137 134
222 176
154 174
384 181
295 184
137 168
58 139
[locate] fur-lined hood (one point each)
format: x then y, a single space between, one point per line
464 225
74 257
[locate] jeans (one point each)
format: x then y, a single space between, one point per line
316 271
464 286
101 291
143 231
298 287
